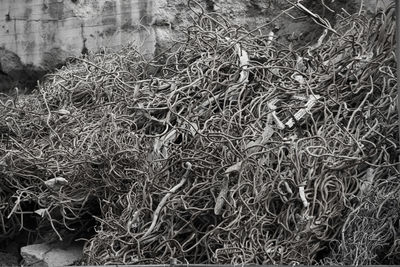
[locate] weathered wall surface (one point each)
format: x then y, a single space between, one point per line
39 30
38 35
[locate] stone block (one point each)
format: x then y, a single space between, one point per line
51 255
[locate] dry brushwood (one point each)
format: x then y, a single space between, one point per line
234 149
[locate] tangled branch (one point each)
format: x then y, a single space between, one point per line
234 149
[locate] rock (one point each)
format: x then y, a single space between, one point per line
9 61
10 65
7 259
49 255
13 73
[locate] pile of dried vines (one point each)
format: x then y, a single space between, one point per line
235 149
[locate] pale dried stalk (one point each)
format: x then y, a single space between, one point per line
161 205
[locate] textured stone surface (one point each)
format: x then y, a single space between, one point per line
36 29
51 255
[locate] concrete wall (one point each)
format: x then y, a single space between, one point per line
41 32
